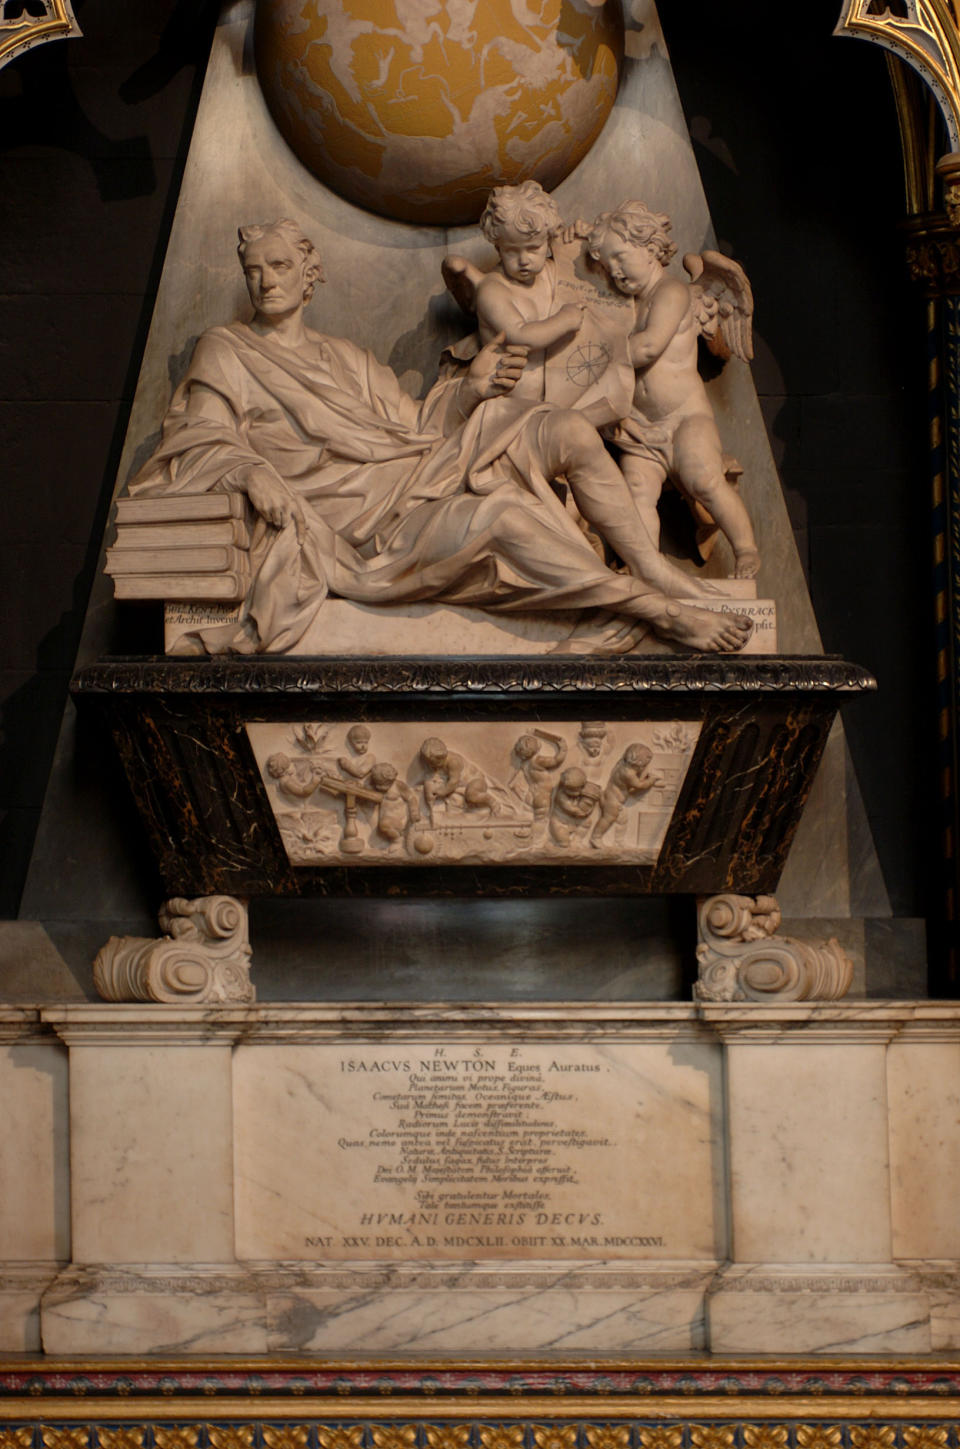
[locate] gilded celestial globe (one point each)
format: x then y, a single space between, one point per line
416 108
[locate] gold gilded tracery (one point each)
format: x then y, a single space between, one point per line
26 31
925 34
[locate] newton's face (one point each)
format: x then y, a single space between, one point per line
274 273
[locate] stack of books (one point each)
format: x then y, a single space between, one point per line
185 546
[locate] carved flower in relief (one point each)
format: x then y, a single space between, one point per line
555 1436
818 1436
343 1436
172 1436
448 1436
395 1436
617 1436
231 1436
502 1436
924 1436
285 1436
711 1436
765 1436
20 1438
872 1436
659 1436
65 1436
120 1436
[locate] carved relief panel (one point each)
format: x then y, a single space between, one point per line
427 792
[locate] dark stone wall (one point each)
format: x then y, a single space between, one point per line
93 136
796 139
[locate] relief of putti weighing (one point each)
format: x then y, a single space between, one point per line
430 793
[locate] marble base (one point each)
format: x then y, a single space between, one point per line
377 1308
833 1308
153 1308
22 1285
731 1178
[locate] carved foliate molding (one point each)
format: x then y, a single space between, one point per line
926 37
57 23
306 678
204 956
933 255
742 959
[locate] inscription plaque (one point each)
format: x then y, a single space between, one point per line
473 1151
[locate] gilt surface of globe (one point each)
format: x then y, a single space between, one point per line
416 108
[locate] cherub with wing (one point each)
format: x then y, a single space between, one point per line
671 431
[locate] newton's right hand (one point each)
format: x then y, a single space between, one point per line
275 504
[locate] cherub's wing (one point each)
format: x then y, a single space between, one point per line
462 279
723 302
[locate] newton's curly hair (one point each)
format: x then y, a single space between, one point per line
636 223
526 209
291 233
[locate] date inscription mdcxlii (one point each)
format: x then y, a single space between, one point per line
462 1152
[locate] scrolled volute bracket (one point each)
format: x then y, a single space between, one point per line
203 956
742 959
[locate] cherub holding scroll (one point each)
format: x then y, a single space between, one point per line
671 432
517 300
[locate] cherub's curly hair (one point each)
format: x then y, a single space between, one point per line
636 223
291 233
526 208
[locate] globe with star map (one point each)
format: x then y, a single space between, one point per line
416 108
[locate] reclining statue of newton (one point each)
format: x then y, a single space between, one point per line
360 491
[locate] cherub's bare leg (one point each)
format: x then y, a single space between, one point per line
609 815
572 449
698 461
645 479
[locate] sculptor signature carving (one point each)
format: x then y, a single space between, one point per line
478 792
359 491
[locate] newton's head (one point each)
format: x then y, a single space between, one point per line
282 267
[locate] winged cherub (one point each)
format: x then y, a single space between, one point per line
671 431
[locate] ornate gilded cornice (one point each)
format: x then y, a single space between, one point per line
16 36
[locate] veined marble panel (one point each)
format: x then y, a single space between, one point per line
151 1152
430 792
833 1308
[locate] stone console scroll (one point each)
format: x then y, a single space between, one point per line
742 959
203 956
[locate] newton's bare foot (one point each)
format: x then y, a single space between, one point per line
747 564
703 630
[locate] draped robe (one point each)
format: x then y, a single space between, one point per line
405 501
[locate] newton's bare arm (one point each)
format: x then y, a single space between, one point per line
668 311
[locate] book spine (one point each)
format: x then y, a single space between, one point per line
213 560
227 588
183 535
181 507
